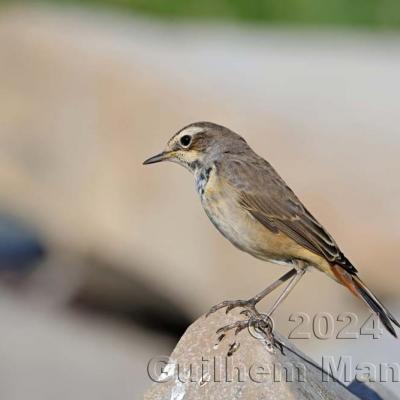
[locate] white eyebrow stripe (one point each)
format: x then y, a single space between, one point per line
191 130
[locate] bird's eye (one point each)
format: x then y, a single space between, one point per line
185 140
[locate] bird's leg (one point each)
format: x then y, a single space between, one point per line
258 297
250 304
288 289
262 322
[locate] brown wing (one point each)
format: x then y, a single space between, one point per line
269 200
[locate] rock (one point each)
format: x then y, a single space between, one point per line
200 368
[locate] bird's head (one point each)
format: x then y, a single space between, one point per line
200 142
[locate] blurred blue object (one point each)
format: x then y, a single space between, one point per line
371 391
20 247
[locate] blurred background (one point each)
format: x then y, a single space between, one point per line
104 262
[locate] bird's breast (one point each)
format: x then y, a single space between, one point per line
221 204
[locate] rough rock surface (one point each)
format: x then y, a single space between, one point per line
199 368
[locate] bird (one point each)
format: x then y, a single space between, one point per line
253 207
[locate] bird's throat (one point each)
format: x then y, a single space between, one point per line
202 176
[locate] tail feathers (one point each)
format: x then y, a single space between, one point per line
368 294
359 289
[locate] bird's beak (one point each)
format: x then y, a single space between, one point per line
157 158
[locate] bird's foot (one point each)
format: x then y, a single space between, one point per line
238 326
248 305
260 326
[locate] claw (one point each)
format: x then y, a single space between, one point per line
233 348
229 308
239 329
222 329
231 304
221 337
211 311
238 326
247 313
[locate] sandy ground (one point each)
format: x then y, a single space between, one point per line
85 97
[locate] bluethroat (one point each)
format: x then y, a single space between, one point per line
253 207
